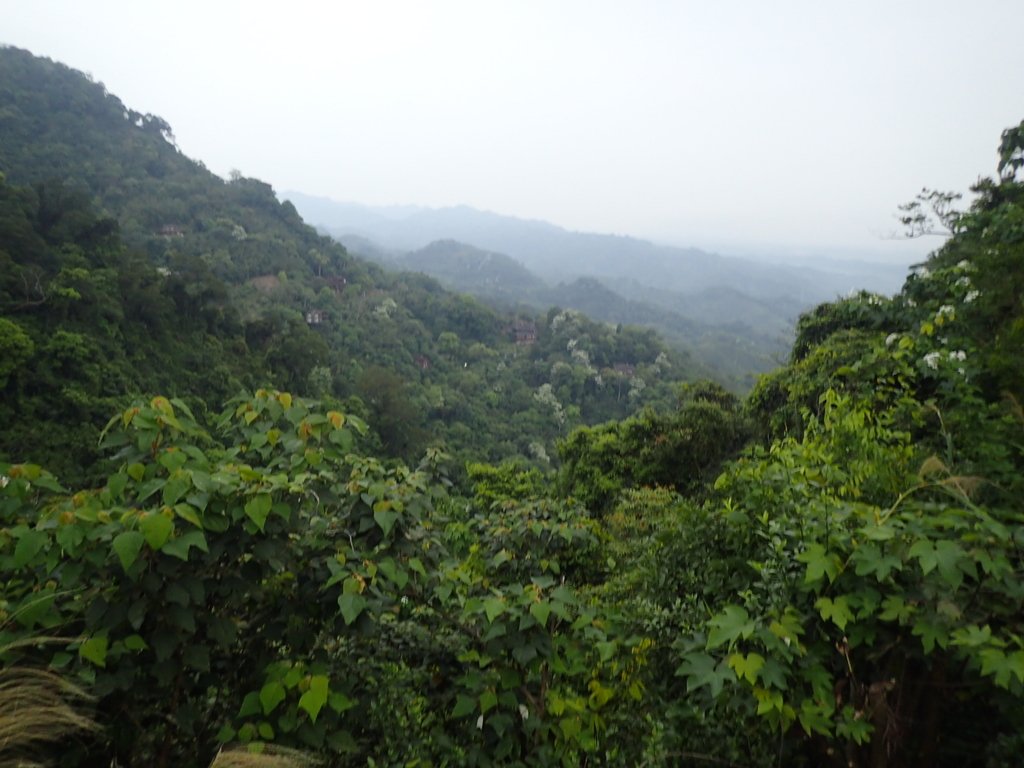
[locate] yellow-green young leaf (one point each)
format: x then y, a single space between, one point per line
95 650
136 472
746 667
284 399
156 528
127 546
313 700
271 695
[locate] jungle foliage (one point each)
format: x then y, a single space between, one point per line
829 573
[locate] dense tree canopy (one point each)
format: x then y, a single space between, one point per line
628 572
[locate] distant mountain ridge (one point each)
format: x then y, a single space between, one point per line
555 254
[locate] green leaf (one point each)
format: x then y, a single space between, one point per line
28 546
135 643
700 669
395 574
136 472
540 611
179 546
174 489
464 705
187 513
127 546
271 695
156 528
351 606
869 559
313 700
728 626
95 650
257 509
606 650
819 564
488 701
493 607
746 667
837 610
250 705
386 519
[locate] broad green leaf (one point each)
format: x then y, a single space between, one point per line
398 576
156 529
386 519
930 634
837 610
179 546
136 472
339 702
493 607
488 701
314 699
28 546
540 611
819 564
606 650
127 546
464 705
729 625
135 643
869 559
271 695
95 650
701 669
351 606
257 509
250 705
746 667
187 513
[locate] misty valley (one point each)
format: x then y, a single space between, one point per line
287 481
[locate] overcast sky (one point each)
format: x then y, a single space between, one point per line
736 126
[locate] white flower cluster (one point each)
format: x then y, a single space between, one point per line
546 395
971 296
385 308
957 356
891 339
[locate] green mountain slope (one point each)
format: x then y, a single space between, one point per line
427 366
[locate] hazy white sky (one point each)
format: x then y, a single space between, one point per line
727 125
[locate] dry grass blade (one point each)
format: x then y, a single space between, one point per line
37 709
269 757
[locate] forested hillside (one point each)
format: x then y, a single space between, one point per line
828 573
236 289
